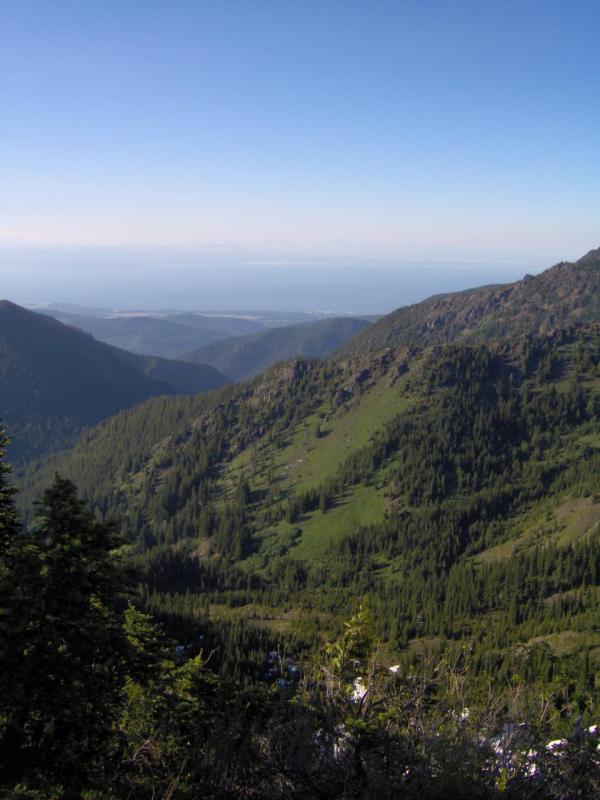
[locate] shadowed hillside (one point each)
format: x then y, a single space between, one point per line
55 379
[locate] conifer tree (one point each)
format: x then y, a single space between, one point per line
9 521
62 685
9 617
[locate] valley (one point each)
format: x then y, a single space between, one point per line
373 472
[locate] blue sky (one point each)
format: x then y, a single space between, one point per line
302 130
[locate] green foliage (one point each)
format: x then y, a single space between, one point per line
355 643
9 522
96 708
458 519
61 682
9 532
492 440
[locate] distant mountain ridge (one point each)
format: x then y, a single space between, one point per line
147 334
567 292
55 379
245 356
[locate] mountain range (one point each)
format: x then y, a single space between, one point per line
443 462
166 335
174 334
56 378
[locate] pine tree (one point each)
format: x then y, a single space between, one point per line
9 521
62 685
10 618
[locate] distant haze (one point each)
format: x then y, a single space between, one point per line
234 281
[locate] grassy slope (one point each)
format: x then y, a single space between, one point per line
306 460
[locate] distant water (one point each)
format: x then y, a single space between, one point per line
225 281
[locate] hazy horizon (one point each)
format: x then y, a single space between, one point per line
325 157
236 281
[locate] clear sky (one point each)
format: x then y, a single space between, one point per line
303 129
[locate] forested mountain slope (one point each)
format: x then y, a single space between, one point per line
567 292
54 380
408 475
167 335
245 356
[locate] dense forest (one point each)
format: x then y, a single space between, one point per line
372 575
98 701
479 501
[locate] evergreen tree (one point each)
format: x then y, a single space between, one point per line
9 522
9 616
62 685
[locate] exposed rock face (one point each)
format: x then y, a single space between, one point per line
536 304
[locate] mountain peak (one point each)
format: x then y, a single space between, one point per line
536 304
590 259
